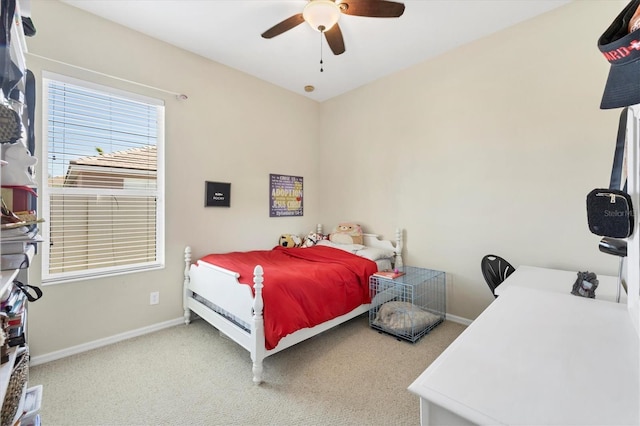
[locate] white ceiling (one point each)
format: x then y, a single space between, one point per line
228 32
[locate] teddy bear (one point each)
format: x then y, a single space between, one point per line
289 240
347 233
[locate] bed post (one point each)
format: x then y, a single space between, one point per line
185 290
319 229
258 353
399 262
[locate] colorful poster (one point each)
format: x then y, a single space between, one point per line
286 195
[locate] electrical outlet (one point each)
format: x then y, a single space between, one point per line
154 298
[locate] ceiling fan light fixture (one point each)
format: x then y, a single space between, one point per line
321 15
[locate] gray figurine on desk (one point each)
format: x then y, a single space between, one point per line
585 285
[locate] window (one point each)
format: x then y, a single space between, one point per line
103 193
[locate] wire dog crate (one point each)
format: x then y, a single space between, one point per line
409 306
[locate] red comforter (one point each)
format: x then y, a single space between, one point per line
303 287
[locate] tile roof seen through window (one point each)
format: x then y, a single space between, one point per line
135 159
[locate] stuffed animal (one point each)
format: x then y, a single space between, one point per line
312 239
17 171
290 240
347 233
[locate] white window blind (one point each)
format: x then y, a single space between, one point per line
102 198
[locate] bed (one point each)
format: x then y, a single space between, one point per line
231 297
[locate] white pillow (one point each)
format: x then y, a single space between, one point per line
351 248
371 253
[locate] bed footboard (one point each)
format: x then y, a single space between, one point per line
216 295
258 352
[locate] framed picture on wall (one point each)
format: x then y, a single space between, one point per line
285 195
217 194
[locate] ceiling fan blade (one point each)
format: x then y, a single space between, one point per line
283 26
335 40
372 8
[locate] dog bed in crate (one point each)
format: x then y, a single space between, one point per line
404 319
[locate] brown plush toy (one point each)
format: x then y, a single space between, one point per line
347 233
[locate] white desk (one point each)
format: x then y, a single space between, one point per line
537 357
559 281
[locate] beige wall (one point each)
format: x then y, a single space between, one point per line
233 128
491 148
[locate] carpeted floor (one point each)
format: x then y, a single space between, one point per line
191 375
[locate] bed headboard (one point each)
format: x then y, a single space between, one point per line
373 240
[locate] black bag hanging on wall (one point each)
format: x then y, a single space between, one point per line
609 210
610 213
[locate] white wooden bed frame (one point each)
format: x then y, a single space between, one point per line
221 287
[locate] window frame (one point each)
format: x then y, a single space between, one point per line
45 192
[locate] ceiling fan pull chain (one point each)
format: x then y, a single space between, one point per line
321 68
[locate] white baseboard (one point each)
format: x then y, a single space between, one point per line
52 356
63 353
459 320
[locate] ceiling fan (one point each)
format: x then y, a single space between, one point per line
323 16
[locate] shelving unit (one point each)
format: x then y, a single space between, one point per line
19 404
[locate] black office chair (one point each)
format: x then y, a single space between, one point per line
495 270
